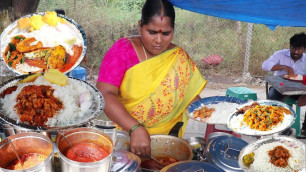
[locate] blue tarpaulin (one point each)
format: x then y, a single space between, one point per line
291 13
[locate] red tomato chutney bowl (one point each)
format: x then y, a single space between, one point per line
86 149
35 152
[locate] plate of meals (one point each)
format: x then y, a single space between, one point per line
280 153
49 101
42 41
262 117
294 77
213 110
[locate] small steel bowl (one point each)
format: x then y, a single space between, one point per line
196 142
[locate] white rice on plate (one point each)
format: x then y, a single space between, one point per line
66 35
236 123
69 95
262 159
221 114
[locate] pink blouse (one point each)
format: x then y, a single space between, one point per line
117 60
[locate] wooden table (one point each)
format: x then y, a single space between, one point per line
285 86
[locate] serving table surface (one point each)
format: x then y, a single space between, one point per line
284 86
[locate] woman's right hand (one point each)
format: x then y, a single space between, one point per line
140 142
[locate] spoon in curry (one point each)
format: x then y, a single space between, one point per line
70 144
11 143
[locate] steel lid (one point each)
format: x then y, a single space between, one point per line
191 166
125 161
223 151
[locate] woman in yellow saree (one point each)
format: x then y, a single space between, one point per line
158 90
147 82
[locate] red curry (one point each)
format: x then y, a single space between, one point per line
86 152
152 165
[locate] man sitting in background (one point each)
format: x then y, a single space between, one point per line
289 61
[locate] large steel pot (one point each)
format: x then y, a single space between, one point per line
80 135
25 143
170 146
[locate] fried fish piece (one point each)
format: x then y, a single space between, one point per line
25 45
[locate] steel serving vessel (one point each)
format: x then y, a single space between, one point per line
80 135
25 143
223 151
169 146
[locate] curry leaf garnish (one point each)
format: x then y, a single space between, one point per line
15 57
12 46
22 60
10 63
19 37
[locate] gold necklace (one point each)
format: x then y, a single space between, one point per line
144 51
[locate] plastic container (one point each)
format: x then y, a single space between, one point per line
79 73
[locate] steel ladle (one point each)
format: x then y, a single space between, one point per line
11 143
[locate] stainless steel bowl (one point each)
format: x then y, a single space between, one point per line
80 135
196 142
26 143
169 146
197 145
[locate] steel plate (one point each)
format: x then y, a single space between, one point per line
257 144
211 100
95 109
246 131
13 27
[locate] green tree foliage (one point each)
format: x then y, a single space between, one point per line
131 5
105 21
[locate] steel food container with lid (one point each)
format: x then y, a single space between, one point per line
26 143
125 161
81 135
223 151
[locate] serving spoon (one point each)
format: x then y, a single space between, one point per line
70 144
11 143
73 147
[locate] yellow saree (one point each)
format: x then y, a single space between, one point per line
157 91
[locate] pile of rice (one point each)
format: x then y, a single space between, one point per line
223 110
262 159
68 95
237 124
